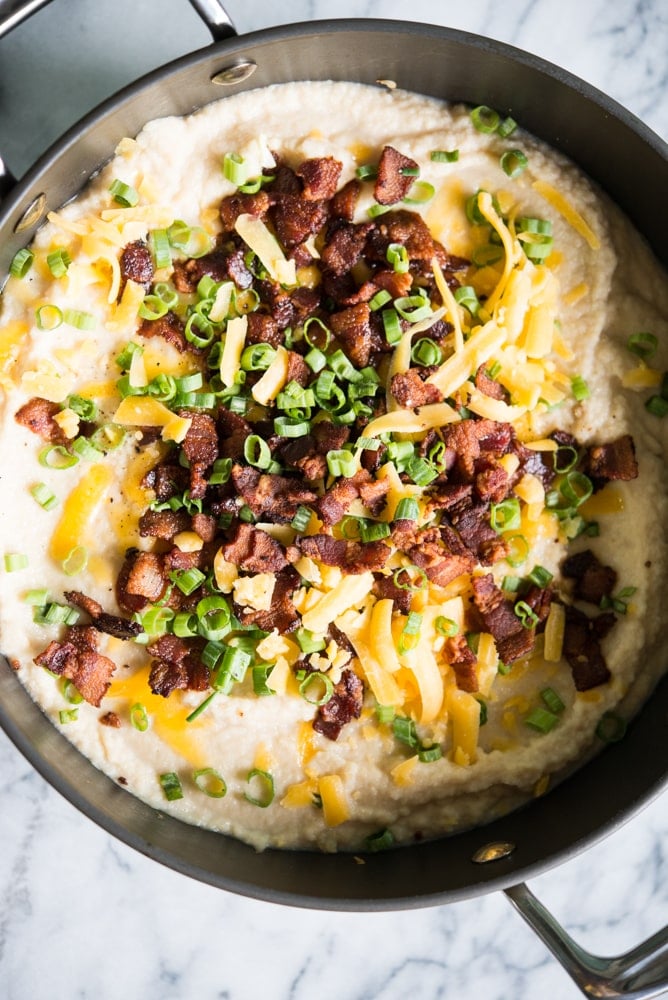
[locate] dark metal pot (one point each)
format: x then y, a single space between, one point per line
566 113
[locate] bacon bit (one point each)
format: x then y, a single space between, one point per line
410 391
177 666
344 202
78 659
463 661
320 177
616 460
392 183
141 580
111 719
37 415
344 705
254 550
136 264
271 497
282 614
295 219
171 329
351 557
437 551
593 580
114 625
238 204
345 247
489 386
163 523
582 647
385 588
497 614
353 328
200 446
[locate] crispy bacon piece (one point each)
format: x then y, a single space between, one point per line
411 391
393 182
593 580
298 370
238 204
498 617
463 661
582 647
344 705
437 551
232 431
136 264
295 219
308 453
263 329
353 328
205 525
78 659
141 580
111 719
351 557
409 229
200 446
472 524
254 550
177 666
345 247
163 523
170 328
37 415
320 177
488 385
114 625
344 202
615 460
492 482
271 497
282 614
166 480
385 588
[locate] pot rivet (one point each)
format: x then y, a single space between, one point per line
32 214
234 73
493 851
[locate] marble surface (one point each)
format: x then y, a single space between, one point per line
82 916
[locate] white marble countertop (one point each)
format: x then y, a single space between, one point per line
83 916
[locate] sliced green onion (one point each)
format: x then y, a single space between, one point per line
413 308
291 428
426 352
160 249
466 296
139 717
642 344
511 584
565 458
657 406
124 359
324 688
485 119
380 841
341 463
397 255
48 317
404 730
576 487
380 299
196 712
67 715
315 359
579 388
538 248
56 614
446 626
152 307
56 456
79 319
513 163
308 642
427 755
541 719
420 193
21 263
373 531
407 510
257 451
37 598
156 621
366 172
260 673
375 210
84 408
75 561
44 496
540 576
526 614
391 326
70 693
519 550
171 786
483 712
191 241
210 781
410 577
530 224
82 447
444 155
58 262
15 561
188 580
231 670
321 335
552 700
266 788
235 169
420 471
506 127
385 713
611 728
302 518
505 516
123 194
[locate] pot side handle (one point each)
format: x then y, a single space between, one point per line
216 18
13 12
638 974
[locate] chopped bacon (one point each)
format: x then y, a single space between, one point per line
409 229
254 550
200 446
410 391
344 202
136 264
163 523
351 557
463 661
386 589
295 219
140 581
114 625
78 659
298 370
593 580
177 666
492 482
271 497
166 480
111 719
353 328
282 614
344 705
233 431
238 204
582 647
472 524
615 460
513 640
345 247
396 174
205 525
37 415
263 329
308 453
489 386
170 328
320 177
437 551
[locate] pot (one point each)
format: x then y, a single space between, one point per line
565 113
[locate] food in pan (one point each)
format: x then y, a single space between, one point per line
333 477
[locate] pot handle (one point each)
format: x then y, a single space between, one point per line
216 18
13 12
638 974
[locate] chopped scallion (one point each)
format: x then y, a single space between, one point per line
210 781
171 786
123 194
21 263
265 784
